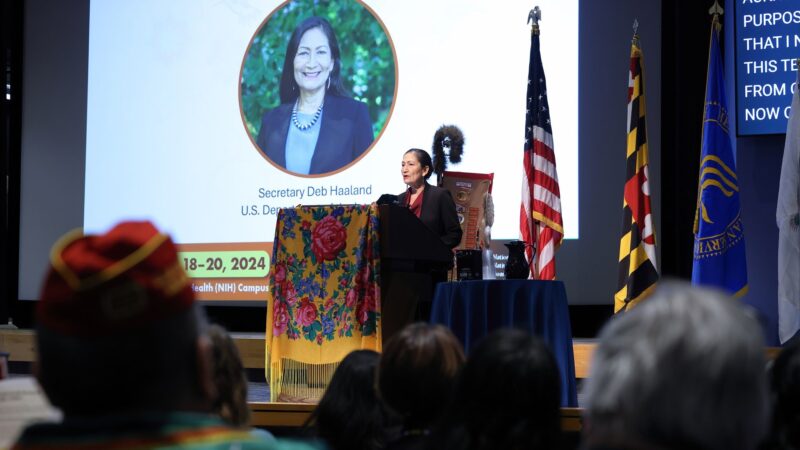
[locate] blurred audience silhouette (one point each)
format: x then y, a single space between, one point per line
415 380
683 370
123 351
507 396
785 390
350 415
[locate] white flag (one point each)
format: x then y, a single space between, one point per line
788 218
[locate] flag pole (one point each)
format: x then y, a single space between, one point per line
541 202
535 15
719 257
715 11
637 263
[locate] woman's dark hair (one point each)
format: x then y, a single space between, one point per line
229 378
350 415
150 368
416 372
507 396
785 387
424 160
289 89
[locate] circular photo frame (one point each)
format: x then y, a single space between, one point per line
317 85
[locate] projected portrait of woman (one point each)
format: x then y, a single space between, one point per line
319 126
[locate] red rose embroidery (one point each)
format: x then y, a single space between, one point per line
363 275
373 298
370 302
362 314
367 305
328 238
290 294
306 313
280 318
350 298
280 274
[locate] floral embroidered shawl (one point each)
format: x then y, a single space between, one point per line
324 296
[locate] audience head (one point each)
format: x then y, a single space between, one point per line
507 396
417 371
117 326
350 415
785 383
230 379
684 370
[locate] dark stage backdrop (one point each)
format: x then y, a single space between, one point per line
686 28
675 44
54 136
759 167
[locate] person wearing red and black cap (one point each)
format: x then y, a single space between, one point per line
122 349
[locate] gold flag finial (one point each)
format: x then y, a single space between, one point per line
716 9
635 40
535 15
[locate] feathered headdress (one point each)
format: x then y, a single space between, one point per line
447 136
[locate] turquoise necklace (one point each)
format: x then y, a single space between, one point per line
305 126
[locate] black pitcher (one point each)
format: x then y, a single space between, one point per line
517 267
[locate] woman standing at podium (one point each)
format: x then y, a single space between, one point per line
435 208
433 205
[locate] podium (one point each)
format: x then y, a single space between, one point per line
324 296
342 277
411 258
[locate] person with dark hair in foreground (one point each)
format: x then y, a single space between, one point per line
683 370
785 387
415 379
122 349
350 416
229 379
507 397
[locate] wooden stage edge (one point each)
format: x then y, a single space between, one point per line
293 415
20 345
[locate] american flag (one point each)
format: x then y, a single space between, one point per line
540 211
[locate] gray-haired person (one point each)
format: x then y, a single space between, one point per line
684 370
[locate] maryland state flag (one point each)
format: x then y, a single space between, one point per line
719 251
638 271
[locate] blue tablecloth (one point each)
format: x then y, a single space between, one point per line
472 309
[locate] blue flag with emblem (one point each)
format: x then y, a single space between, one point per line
719 250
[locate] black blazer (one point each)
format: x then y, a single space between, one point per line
438 214
345 133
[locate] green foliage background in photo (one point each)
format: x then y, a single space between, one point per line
368 64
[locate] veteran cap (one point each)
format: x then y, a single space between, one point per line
99 285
